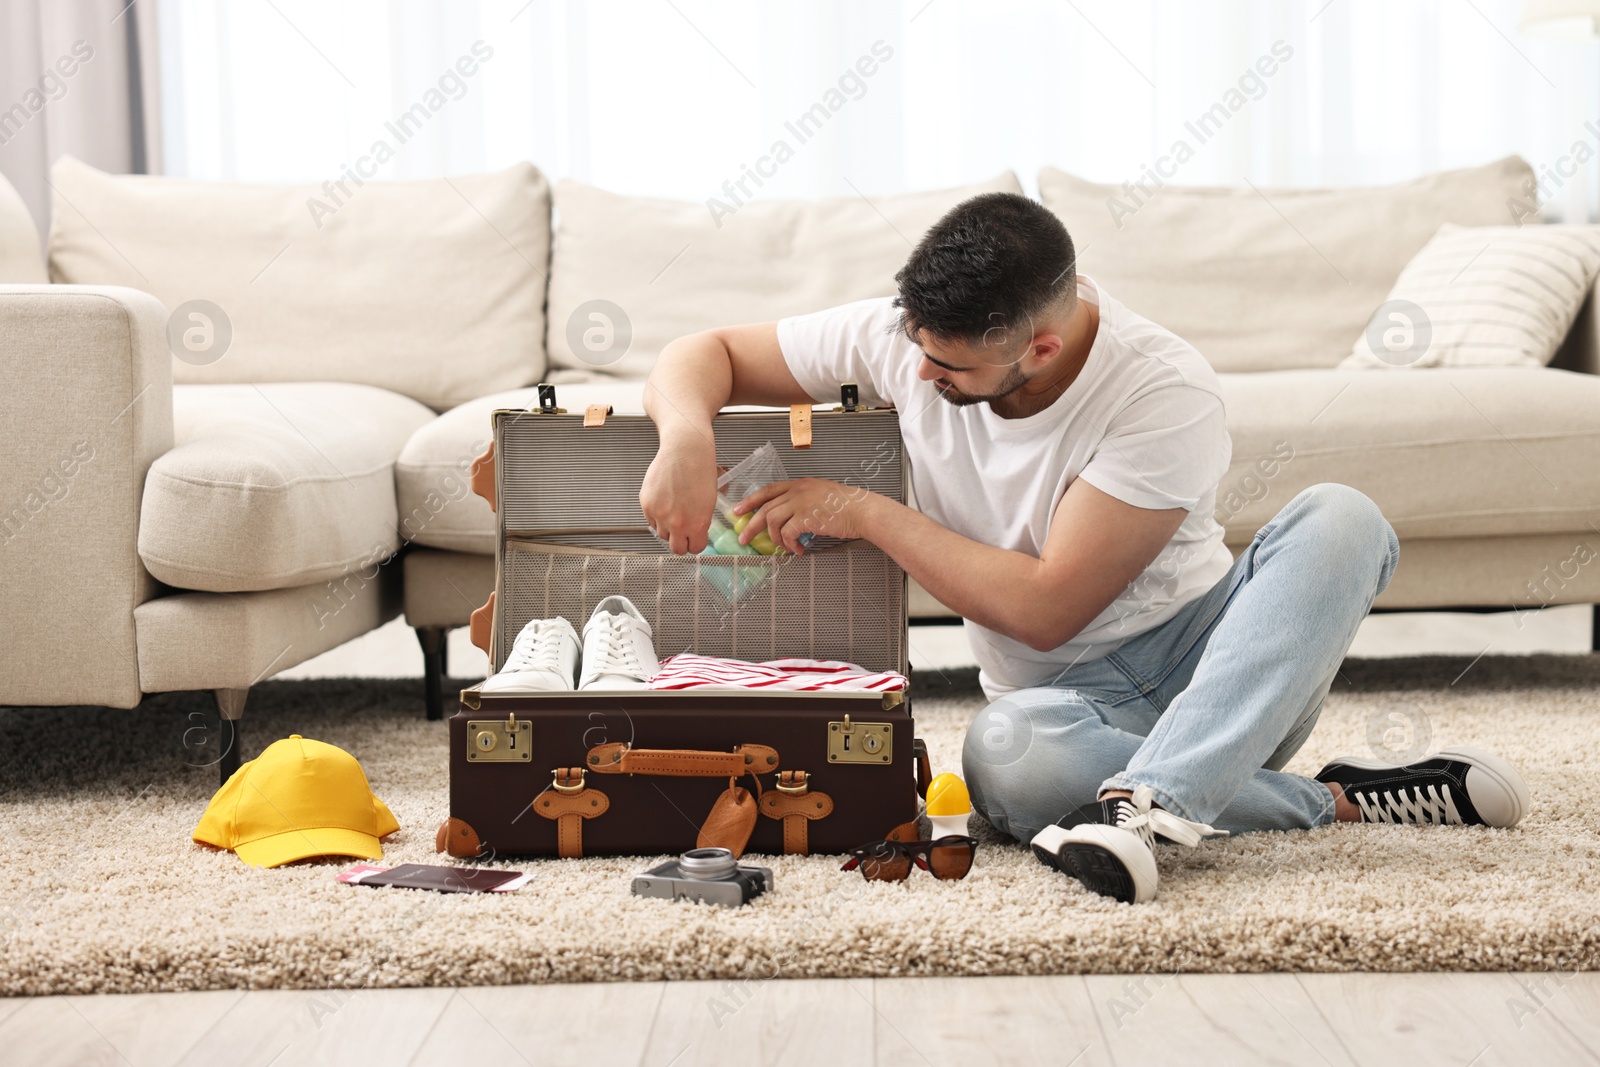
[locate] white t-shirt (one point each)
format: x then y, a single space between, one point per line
1143 422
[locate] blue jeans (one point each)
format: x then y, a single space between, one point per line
1206 707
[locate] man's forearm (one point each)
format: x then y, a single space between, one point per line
690 383
994 587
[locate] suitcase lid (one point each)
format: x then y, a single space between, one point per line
569 531
559 479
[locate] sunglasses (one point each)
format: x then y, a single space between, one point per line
949 859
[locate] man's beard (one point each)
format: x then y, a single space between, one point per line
1012 382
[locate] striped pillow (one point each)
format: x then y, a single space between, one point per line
1483 296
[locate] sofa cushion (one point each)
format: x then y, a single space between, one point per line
1276 278
630 274
20 262
1452 452
275 485
434 289
437 506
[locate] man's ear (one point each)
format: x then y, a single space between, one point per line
1046 347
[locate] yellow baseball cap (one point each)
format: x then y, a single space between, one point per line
299 798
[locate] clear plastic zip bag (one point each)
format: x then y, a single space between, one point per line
757 470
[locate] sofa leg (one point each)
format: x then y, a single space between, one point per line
230 705
432 640
1594 630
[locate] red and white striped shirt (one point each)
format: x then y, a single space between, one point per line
689 671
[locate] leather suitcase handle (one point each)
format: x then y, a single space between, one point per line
619 758
919 753
481 477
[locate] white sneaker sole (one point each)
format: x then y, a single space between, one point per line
1108 861
1502 798
525 682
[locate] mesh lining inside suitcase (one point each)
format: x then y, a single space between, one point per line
843 603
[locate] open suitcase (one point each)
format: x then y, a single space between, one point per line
646 772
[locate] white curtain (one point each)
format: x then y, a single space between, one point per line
675 98
81 78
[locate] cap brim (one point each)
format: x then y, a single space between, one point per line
293 845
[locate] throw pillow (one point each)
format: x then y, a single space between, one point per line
1483 296
20 261
433 288
1265 279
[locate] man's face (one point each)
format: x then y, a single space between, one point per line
972 374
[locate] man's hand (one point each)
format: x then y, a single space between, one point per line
679 493
694 378
806 505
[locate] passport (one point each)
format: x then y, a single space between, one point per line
442 879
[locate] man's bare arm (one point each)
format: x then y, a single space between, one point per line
695 377
1096 547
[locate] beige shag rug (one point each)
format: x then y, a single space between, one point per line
101 889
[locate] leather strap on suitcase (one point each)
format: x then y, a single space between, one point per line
621 758
569 801
794 803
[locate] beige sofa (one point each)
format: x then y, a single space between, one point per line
204 522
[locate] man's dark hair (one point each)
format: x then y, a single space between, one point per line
993 264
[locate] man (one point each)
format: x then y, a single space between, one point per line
1065 455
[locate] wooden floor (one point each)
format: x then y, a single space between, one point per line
1453 1020
1457 1020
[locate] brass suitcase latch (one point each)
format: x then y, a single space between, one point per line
508 740
860 742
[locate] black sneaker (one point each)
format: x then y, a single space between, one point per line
1110 846
1457 787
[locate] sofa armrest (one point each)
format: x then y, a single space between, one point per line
1581 350
87 407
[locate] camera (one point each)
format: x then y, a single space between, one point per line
709 875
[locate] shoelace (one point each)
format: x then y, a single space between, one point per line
1141 818
1393 806
610 653
537 648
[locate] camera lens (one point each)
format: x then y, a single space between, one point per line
706 864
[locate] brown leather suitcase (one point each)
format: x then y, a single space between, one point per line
645 772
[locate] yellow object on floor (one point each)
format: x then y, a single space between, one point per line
299 798
948 805
947 795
